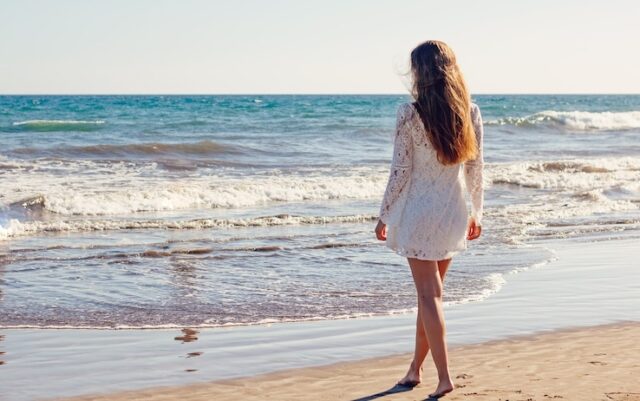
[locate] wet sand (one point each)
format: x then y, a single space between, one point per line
597 363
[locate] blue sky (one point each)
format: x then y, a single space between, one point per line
304 46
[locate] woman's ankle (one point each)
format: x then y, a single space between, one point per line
445 377
413 368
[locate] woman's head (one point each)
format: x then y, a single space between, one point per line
443 102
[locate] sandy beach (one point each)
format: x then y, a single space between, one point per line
597 363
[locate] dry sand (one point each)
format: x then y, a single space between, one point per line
595 363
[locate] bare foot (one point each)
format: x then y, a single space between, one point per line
412 378
444 387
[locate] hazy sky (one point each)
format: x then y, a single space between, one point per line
314 46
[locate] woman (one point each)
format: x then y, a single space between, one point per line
424 214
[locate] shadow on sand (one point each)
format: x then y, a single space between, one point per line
393 390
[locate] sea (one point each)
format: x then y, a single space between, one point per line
208 211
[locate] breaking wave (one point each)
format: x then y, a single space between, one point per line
59 125
569 176
128 191
15 228
137 150
576 120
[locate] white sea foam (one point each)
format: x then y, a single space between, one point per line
221 193
88 188
494 282
11 228
577 120
569 176
58 125
15 228
36 123
122 188
563 188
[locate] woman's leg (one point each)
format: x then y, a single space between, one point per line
414 374
426 276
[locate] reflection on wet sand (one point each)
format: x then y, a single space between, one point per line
2 362
4 260
188 335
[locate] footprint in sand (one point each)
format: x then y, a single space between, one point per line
464 376
597 363
623 396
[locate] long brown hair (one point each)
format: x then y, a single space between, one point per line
443 102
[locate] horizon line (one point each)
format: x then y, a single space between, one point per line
317 94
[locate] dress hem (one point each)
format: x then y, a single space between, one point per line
407 254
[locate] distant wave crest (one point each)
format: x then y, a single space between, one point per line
59 125
139 150
576 120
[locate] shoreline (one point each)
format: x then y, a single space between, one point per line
551 365
553 297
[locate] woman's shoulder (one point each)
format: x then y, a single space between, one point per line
475 112
405 107
406 110
474 107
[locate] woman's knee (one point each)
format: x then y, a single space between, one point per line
430 293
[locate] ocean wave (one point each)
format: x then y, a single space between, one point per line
59 125
576 120
569 190
123 189
558 189
15 228
568 176
149 150
114 194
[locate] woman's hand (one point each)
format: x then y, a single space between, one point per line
474 229
381 231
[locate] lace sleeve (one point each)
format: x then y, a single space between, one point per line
473 169
401 162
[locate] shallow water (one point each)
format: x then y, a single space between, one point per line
160 211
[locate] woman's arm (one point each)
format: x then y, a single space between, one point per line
401 162
473 170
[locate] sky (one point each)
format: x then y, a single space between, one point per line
313 46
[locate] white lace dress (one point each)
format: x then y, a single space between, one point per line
424 205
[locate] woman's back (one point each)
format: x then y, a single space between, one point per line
426 168
424 205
